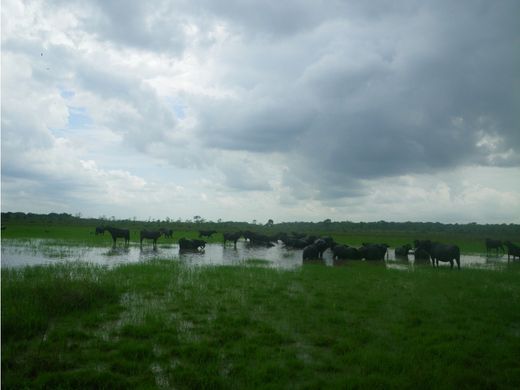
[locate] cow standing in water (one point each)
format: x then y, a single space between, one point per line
119 233
512 250
494 245
234 237
150 235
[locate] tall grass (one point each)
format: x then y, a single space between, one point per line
165 325
33 296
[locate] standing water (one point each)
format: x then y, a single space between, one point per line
18 253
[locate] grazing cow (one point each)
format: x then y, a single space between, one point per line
167 233
119 233
493 245
512 250
232 237
446 253
100 230
402 251
206 233
191 245
150 235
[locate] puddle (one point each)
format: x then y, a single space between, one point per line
18 253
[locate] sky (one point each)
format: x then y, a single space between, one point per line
254 110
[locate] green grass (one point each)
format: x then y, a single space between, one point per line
165 325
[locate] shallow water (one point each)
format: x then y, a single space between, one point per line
17 253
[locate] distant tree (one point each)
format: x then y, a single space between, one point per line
327 221
254 221
269 223
219 220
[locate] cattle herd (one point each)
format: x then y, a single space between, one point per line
313 247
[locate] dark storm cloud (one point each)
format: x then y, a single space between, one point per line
382 94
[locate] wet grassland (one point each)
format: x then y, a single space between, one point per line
162 324
166 324
79 235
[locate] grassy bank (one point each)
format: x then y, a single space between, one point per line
164 325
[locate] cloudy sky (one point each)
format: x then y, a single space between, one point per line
247 109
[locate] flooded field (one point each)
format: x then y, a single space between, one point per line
17 253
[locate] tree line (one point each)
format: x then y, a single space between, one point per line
270 226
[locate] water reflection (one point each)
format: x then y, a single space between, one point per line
17 253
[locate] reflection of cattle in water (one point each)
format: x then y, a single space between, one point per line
150 235
119 233
168 233
206 233
191 245
512 250
234 237
493 245
100 230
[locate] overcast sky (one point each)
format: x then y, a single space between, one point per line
240 110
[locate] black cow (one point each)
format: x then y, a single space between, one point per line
100 230
373 251
402 251
345 252
512 250
494 245
310 252
168 233
119 233
296 243
423 244
150 235
446 253
191 245
421 254
323 244
206 233
232 237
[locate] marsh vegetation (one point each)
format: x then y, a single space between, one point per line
164 323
